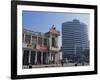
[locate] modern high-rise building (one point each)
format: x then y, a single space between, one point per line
74 39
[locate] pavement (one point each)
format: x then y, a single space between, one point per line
56 65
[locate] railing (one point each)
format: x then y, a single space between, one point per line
33 32
54 49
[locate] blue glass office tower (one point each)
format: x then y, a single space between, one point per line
74 39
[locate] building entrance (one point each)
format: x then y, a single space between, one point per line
26 57
32 59
38 57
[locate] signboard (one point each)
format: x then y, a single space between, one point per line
29 46
42 47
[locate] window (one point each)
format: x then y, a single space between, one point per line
34 41
40 41
53 42
45 42
28 38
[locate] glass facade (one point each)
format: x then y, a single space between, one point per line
74 39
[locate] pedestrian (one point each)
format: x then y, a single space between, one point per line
62 62
30 66
75 64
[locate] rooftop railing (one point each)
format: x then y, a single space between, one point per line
33 32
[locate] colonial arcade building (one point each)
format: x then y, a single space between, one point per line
40 48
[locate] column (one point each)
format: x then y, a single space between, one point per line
50 46
24 38
37 41
36 57
47 41
42 57
42 51
49 57
46 58
29 56
31 39
36 51
60 56
55 57
50 40
57 41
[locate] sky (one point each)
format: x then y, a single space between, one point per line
43 21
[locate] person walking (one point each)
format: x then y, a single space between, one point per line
62 62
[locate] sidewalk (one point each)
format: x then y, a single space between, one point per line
55 65
49 65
